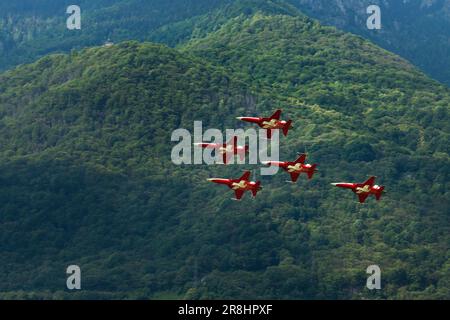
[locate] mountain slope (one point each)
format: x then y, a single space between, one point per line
387 118
322 66
30 29
178 33
86 177
418 30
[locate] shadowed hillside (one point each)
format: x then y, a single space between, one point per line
86 176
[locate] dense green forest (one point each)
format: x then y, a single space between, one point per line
418 30
30 29
86 176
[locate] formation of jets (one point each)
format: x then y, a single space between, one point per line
294 168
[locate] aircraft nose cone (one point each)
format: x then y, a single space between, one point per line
334 184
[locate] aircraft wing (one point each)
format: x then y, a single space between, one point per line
294 176
245 176
370 182
301 159
276 115
363 197
239 193
256 189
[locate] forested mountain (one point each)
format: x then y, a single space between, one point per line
86 176
31 29
418 30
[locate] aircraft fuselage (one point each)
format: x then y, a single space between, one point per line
362 190
243 185
225 149
359 188
298 168
272 124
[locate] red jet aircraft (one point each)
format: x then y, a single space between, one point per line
295 168
240 185
227 150
272 123
363 190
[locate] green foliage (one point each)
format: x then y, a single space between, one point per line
86 176
30 29
416 29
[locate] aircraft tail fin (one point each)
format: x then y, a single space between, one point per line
313 170
379 194
287 127
256 189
